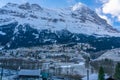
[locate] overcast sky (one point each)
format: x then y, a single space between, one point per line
107 9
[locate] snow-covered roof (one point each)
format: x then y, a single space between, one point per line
66 65
25 72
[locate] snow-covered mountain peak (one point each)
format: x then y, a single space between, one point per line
25 6
8 5
79 6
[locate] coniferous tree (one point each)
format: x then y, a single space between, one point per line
101 75
117 72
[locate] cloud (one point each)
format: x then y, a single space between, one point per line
99 12
111 7
109 21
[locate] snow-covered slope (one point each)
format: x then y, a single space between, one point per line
77 19
113 54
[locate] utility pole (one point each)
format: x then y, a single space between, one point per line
1 73
87 74
88 62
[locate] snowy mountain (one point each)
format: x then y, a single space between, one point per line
32 25
78 19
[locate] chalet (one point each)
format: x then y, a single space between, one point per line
25 74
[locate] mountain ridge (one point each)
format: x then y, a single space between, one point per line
72 19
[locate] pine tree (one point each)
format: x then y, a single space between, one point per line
117 72
101 74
